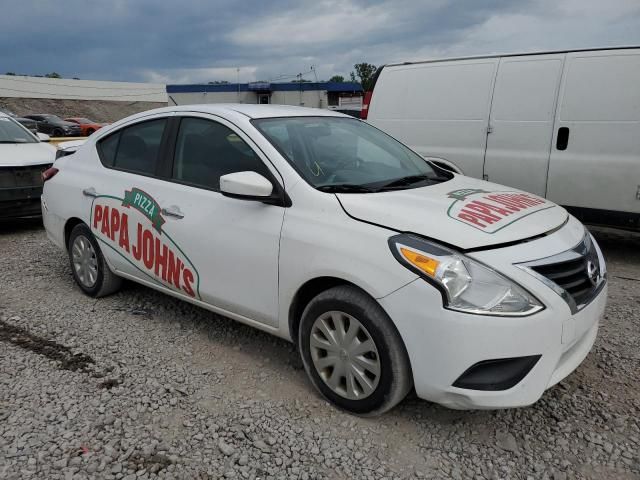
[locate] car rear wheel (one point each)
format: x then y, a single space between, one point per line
90 271
57 132
353 353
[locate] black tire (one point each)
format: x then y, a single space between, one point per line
395 379
57 133
90 131
106 282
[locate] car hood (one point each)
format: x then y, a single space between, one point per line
463 212
24 154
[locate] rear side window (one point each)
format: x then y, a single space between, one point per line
134 149
107 149
206 150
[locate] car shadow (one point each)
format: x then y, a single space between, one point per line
16 225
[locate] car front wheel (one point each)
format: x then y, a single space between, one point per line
90 271
353 353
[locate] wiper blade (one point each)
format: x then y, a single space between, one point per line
409 180
345 188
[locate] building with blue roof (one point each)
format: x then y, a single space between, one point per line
344 96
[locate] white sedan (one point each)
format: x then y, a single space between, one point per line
385 270
23 158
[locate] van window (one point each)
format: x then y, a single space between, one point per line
206 150
135 148
602 88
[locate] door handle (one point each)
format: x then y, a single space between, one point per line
172 211
90 192
563 138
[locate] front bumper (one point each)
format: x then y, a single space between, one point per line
443 344
20 202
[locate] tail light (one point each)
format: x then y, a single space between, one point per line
49 173
364 113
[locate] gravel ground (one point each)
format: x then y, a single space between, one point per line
139 385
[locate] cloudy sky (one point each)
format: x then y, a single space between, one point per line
193 41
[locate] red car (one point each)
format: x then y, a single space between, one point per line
87 126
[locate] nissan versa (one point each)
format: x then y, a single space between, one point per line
387 271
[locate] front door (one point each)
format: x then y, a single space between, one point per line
232 244
521 121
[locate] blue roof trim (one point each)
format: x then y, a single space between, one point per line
275 87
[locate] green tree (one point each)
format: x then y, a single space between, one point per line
363 74
337 79
219 82
11 73
53 75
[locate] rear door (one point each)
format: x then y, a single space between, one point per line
521 121
595 156
127 197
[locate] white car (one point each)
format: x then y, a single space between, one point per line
23 158
387 271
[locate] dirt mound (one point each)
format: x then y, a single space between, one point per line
96 110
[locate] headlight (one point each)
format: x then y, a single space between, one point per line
467 285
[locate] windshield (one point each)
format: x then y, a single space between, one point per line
12 132
346 155
80 120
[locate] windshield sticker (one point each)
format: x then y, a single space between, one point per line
492 211
133 227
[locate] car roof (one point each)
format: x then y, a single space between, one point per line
249 110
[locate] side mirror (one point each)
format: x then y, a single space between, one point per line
43 137
246 186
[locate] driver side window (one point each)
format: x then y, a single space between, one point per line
206 150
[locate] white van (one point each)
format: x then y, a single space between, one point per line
563 125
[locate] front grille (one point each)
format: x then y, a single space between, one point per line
577 274
571 276
29 176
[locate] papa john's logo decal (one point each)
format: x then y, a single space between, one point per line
492 211
133 227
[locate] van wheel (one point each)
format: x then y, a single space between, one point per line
90 271
353 353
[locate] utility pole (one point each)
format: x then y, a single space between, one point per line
238 76
300 82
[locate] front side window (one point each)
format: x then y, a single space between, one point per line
12 132
135 148
338 154
206 150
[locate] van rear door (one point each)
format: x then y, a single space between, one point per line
595 155
521 121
